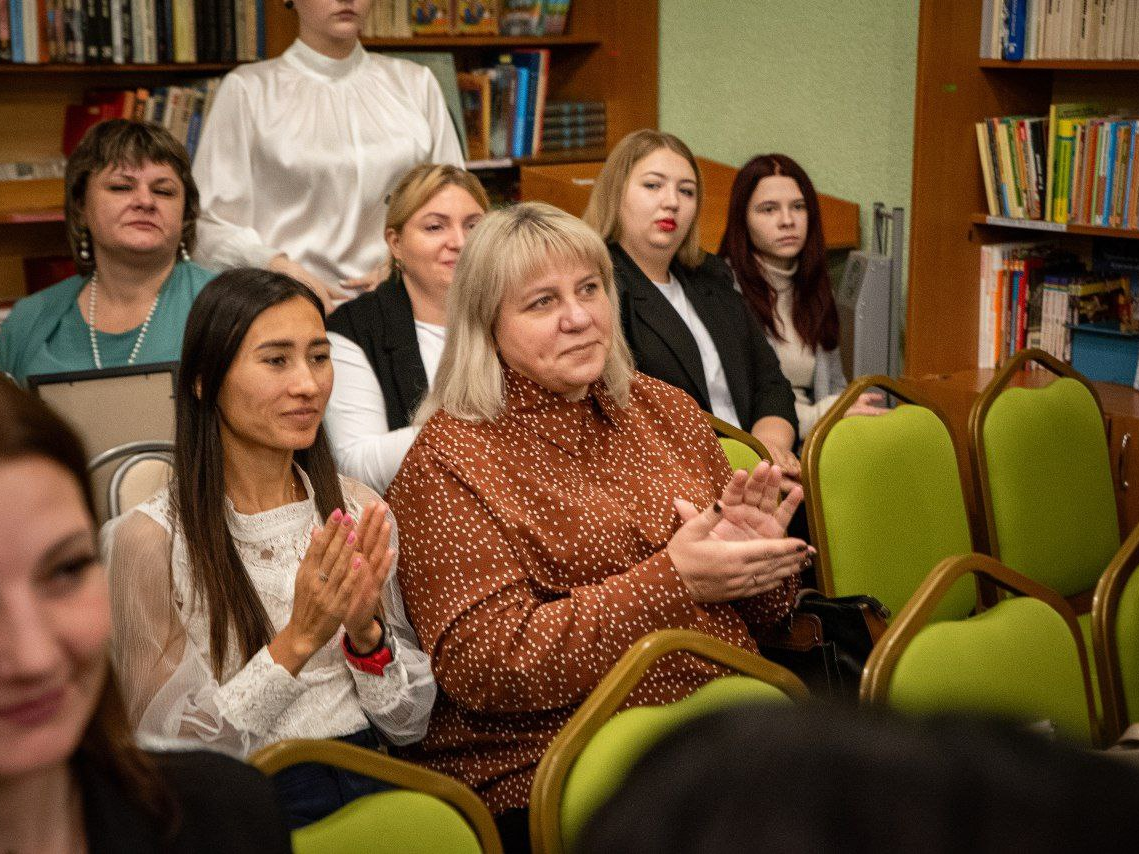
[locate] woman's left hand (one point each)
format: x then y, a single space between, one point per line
365 607
751 506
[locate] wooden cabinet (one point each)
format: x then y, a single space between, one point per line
954 394
608 54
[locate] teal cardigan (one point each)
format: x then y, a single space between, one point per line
46 333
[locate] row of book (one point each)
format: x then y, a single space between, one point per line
1075 166
131 31
1033 294
504 107
1060 29
33 170
469 17
182 110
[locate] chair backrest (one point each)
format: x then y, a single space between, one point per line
1023 659
1040 456
429 813
885 501
739 455
138 469
1115 639
587 760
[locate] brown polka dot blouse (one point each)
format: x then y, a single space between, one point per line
532 555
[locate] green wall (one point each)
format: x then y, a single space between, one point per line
828 82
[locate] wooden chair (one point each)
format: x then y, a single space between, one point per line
587 760
427 813
1023 658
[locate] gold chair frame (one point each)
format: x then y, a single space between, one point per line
916 615
813 449
980 410
731 431
370 763
1105 611
604 701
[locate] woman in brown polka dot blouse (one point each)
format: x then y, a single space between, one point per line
548 509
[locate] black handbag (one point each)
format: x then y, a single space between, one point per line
826 641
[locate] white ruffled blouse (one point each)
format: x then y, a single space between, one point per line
161 639
300 152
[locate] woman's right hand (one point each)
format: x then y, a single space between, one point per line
325 583
718 570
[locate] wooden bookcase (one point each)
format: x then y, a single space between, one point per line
956 89
609 53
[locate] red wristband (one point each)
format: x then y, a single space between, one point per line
373 663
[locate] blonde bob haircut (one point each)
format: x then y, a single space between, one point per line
507 249
603 212
421 184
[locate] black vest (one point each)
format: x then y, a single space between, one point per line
382 325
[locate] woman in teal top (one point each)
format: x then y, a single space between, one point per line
130 208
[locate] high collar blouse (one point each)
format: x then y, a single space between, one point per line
299 154
533 556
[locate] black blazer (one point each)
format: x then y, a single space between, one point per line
381 323
663 347
225 806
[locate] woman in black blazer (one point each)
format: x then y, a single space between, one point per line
71 777
684 321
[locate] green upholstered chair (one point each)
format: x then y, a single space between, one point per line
1024 658
885 501
1115 639
742 449
1040 461
428 813
589 758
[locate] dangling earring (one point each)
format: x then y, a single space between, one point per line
396 265
84 246
182 251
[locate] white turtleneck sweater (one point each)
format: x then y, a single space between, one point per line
796 359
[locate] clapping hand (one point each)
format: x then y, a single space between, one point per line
737 547
376 556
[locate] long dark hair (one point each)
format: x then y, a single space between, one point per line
218 322
28 428
813 310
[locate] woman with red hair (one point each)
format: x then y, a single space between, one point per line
774 244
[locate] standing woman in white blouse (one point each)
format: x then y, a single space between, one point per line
386 344
774 244
256 599
300 152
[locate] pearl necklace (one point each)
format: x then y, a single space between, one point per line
94 284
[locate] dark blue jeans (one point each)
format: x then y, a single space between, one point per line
310 791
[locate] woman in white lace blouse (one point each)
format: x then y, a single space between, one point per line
256 599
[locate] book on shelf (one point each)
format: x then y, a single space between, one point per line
1102 30
432 17
474 91
1031 294
133 31
476 18
1077 165
388 19
33 170
522 18
180 109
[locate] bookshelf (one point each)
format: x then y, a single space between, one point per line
609 53
955 89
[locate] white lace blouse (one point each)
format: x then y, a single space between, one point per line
161 639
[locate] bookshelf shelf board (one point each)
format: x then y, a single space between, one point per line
1063 64
1063 228
98 69
31 215
576 155
432 42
